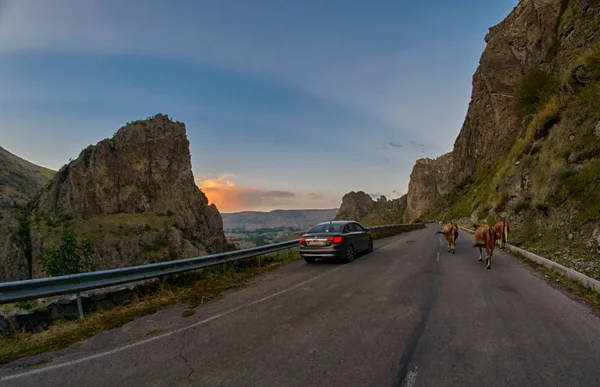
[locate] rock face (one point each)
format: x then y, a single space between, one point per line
515 45
355 206
551 34
429 180
145 166
359 206
134 195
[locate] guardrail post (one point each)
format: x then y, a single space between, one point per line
79 305
259 261
287 253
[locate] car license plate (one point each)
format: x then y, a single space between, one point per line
317 243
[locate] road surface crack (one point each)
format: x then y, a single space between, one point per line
185 360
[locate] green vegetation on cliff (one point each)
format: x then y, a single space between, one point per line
548 180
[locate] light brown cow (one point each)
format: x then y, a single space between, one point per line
485 236
450 233
502 229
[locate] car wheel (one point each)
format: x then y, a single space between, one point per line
370 248
349 254
309 259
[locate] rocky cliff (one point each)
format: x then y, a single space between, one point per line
429 180
359 206
528 149
134 194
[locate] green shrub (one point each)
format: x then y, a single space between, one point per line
519 205
50 222
21 237
533 90
563 172
541 206
70 257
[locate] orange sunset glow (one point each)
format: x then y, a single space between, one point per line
230 197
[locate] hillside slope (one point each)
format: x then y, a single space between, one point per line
20 179
529 148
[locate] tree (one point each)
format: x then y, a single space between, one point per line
21 237
70 257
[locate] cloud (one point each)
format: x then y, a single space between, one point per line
383 147
376 195
313 196
395 144
229 197
358 75
387 160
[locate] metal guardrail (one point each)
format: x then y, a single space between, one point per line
76 283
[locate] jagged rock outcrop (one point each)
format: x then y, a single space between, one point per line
359 206
429 180
551 34
145 166
355 206
515 45
135 195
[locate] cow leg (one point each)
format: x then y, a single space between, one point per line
453 248
448 246
481 259
489 257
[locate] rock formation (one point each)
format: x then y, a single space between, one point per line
359 206
429 180
551 34
135 195
355 206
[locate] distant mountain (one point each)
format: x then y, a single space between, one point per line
253 220
20 179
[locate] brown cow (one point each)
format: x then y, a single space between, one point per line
450 232
502 229
485 236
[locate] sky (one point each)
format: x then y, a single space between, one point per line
287 104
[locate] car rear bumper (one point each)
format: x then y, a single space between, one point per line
321 253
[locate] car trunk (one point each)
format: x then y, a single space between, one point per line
321 240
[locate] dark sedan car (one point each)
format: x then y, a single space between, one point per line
341 239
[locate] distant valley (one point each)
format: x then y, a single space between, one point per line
254 228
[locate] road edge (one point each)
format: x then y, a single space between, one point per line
568 272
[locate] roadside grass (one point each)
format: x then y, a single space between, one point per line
192 289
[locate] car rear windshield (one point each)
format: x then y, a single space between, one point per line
326 228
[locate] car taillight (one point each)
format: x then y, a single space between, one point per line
302 240
336 240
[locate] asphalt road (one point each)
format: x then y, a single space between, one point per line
408 314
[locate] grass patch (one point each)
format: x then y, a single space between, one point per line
45 360
541 206
194 288
533 90
580 192
153 331
188 313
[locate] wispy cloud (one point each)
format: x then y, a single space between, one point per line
395 144
313 195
